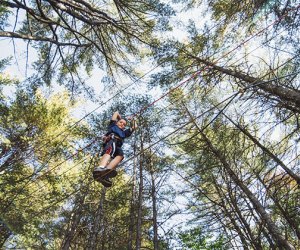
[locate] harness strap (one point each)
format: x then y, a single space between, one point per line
111 136
115 137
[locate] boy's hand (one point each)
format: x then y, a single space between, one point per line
133 124
105 139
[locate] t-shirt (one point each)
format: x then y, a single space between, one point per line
113 128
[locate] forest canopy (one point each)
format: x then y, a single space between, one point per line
214 88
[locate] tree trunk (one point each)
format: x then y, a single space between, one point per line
97 222
273 229
5 233
232 202
154 207
286 95
285 214
275 232
133 201
233 221
74 221
267 151
140 199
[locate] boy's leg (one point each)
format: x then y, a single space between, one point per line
102 169
118 157
104 160
115 161
107 153
109 171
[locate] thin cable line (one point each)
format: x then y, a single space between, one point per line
41 187
179 128
207 67
230 98
180 84
95 109
31 176
172 89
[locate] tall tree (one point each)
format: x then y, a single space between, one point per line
33 154
76 36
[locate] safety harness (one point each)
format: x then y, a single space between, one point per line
112 136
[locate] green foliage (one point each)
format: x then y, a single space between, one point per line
240 10
196 239
33 161
4 13
79 36
47 194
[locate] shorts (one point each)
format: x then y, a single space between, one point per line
112 149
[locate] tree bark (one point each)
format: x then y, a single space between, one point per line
285 95
154 206
133 201
140 198
285 214
97 222
74 221
5 233
233 221
232 202
267 151
273 229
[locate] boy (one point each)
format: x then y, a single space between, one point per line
113 141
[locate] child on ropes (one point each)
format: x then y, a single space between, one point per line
112 153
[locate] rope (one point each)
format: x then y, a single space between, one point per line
207 67
155 101
230 99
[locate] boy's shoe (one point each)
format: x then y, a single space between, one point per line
105 175
99 171
110 173
105 182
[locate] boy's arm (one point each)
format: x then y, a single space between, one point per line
133 125
116 116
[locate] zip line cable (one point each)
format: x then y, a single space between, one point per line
265 150
55 202
99 107
102 104
76 153
176 87
30 179
193 76
273 23
5 209
229 99
95 109
61 199
208 66
41 187
77 122
179 85
179 128
268 26
66 196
